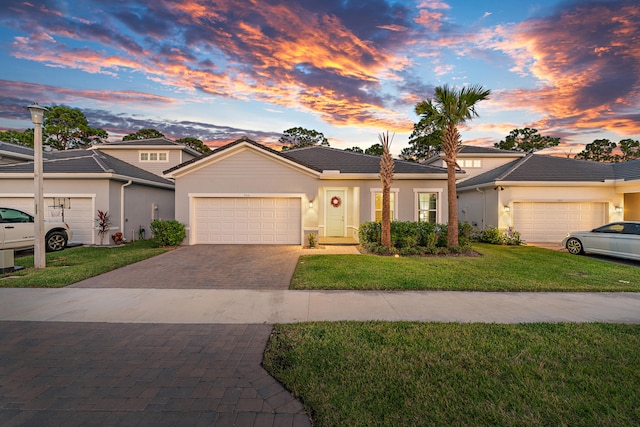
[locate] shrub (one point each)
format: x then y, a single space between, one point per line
168 233
496 236
413 238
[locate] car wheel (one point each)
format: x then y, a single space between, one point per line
574 246
56 241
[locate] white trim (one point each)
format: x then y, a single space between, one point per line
373 202
149 152
416 206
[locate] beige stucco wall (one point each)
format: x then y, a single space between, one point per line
132 156
489 205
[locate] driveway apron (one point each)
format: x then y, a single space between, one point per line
157 374
253 267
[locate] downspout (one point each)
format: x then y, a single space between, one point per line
122 206
484 207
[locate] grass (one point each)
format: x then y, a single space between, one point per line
435 374
75 264
499 268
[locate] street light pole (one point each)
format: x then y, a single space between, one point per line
37 117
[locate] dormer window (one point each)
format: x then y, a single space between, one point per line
470 163
154 156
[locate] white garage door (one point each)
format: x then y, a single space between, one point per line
225 220
550 222
79 216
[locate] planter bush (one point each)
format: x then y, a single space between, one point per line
413 238
496 236
168 233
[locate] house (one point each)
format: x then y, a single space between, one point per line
78 183
545 197
153 155
246 193
12 153
477 160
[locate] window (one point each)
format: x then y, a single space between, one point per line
470 163
427 207
154 156
378 206
13 216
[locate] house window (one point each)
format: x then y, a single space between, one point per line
154 156
427 207
470 163
378 206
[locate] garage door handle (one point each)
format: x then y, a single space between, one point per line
9 226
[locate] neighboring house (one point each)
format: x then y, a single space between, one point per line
247 193
477 160
12 153
154 155
545 197
78 183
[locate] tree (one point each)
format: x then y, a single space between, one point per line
24 138
425 141
143 134
386 178
600 150
66 128
194 143
527 140
375 150
448 109
355 149
301 137
630 150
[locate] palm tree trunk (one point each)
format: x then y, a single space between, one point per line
386 177
450 146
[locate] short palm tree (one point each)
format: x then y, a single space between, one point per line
449 108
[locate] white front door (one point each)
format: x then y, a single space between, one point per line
335 213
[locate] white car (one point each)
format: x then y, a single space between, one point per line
17 231
618 239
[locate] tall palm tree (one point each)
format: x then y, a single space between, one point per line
449 108
386 177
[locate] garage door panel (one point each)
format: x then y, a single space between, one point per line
550 222
247 220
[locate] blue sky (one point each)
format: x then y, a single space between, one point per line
220 69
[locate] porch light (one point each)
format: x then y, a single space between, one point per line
310 203
506 208
619 209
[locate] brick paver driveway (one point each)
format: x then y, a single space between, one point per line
206 267
162 374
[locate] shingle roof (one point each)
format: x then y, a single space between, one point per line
627 170
472 149
83 162
326 158
151 142
14 149
540 168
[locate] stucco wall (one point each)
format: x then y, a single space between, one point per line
140 202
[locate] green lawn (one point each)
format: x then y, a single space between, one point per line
498 268
435 374
74 264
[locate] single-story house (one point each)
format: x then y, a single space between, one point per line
154 155
78 183
545 197
247 193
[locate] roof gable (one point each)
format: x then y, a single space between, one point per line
146 144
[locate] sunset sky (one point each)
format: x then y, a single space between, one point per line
220 69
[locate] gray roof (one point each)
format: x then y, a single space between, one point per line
541 168
82 161
14 150
475 151
325 158
151 142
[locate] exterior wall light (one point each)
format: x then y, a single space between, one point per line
506 208
310 203
619 209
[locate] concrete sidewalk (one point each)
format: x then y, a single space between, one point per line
226 306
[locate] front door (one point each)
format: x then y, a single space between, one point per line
335 213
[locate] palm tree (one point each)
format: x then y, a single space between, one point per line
449 108
386 177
